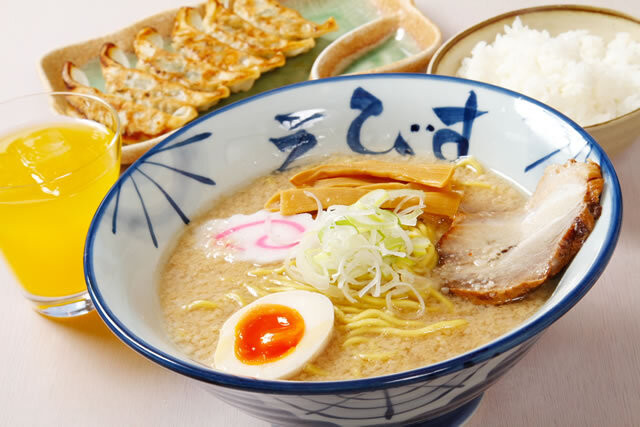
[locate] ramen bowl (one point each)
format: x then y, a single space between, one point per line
139 220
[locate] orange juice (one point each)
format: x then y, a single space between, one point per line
52 179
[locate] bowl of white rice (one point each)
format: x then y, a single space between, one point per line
583 61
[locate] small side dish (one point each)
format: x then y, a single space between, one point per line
365 49
386 276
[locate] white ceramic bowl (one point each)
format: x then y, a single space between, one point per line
613 134
139 219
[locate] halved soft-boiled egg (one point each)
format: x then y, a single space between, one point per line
275 336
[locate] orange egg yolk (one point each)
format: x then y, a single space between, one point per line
267 333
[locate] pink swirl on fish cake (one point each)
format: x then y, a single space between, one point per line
261 237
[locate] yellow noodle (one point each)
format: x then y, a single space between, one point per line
265 271
201 303
236 298
376 356
374 300
302 287
478 184
472 163
278 288
372 312
367 322
349 309
355 340
255 292
427 231
444 300
293 284
434 327
312 369
405 303
423 228
339 314
364 331
434 309
404 263
431 259
364 278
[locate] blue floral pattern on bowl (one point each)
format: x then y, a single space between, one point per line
364 115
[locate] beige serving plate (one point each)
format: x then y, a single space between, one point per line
613 134
396 24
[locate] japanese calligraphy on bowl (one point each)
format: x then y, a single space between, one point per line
370 106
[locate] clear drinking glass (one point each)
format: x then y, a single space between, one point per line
59 154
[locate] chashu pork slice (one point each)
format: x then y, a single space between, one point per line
497 257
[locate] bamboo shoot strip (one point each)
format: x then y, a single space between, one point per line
432 175
293 201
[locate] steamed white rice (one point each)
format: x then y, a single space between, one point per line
575 72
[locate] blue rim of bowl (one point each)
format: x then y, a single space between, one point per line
485 352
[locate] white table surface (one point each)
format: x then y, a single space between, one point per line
585 370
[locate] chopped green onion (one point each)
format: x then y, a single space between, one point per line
362 249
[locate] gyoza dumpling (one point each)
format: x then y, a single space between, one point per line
153 57
121 79
272 17
139 120
190 39
229 28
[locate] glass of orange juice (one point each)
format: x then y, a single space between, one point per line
56 165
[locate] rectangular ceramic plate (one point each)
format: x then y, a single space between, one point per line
407 47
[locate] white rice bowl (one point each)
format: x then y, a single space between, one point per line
576 72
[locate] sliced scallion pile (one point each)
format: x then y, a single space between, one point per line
363 249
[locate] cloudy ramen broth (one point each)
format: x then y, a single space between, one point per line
199 293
